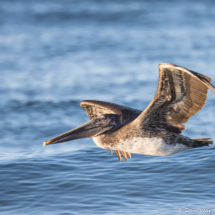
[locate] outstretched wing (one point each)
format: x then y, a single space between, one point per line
181 93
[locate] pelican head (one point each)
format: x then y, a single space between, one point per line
95 127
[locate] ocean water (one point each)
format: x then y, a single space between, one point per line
54 54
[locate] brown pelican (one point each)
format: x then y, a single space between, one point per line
181 93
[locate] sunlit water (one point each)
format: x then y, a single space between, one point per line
53 54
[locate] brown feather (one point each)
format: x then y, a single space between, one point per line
207 140
96 108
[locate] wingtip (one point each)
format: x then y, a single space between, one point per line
209 85
212 88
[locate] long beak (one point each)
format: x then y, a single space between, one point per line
89 129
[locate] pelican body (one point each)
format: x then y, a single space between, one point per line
181 93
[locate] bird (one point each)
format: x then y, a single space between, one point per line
156 131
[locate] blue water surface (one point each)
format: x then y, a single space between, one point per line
53 54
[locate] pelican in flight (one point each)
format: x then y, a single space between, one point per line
181 93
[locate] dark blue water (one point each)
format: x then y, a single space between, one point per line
53 54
